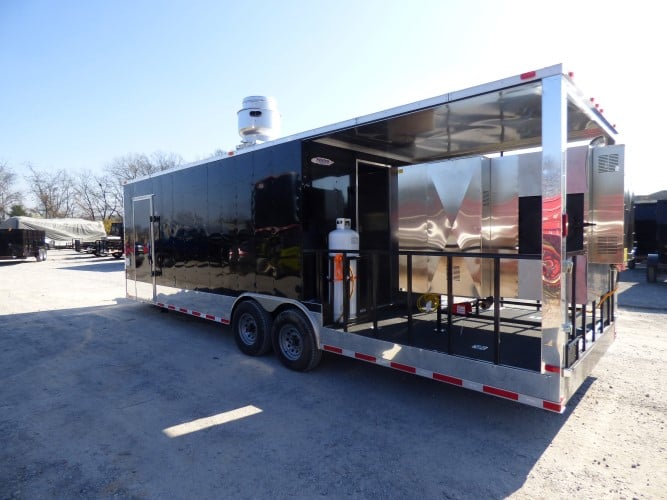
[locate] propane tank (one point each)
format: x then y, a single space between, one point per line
343 238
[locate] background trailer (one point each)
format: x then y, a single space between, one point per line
61 232
473 238
22 244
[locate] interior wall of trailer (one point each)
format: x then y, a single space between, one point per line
338 183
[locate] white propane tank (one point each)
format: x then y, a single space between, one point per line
259 119
343 238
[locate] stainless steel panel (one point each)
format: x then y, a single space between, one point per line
554 145
581 281
530 280
577 173
607 205
529 171
440 208
503 222
412 185
412 224
458 184
501 232
597 277
526 382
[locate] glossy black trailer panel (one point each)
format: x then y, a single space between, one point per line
225 227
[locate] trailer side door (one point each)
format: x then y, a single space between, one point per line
140 250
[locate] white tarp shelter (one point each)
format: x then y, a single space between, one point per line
60 232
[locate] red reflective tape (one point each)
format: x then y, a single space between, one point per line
224 321
365 357
403 368
548 405
196 313
552 368
446 378
331 348
182 309
173 308
160 304
501 392
528 75
210 316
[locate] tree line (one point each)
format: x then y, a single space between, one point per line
83 194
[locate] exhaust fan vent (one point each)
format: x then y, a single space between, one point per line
608 163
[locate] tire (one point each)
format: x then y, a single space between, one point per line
252 328
294 341
651 273
43 251
631 264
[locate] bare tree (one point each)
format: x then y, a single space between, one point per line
8 196
86 195
94 196
53 191
133 166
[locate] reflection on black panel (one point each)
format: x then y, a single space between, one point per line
277 228
575 218
530 224
230 225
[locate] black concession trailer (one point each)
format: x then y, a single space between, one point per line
473 238
18 244
650 233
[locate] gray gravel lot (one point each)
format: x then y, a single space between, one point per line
90 382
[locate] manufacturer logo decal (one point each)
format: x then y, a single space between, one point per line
318 160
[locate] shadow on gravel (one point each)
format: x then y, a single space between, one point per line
110 265
4 263
634 291
87 393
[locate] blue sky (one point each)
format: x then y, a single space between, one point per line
84 82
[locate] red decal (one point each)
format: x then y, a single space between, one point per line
365 357
331 348
501 392
210 316
403 368
446 378
557 407
528 75
552 369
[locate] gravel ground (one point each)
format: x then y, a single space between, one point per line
91 384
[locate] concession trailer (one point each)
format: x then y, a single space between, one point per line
473 238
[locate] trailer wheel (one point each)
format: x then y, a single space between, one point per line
252 328
294 341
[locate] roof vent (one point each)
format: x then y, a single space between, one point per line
259 120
